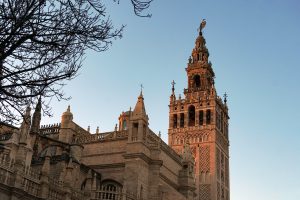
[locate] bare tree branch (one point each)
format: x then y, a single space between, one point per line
42 45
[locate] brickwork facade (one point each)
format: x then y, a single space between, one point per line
201 119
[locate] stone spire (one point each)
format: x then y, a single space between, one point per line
139 108
25 126
36 119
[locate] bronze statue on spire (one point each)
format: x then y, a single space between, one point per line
202 25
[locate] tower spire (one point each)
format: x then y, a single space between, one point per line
139 108
141 93
36 119
25 126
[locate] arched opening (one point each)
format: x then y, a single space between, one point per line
175 121
196 80
192 115
181 120
208 117
110 190
201 117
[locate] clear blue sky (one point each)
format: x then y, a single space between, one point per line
255 51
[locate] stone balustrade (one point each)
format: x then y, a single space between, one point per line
29 181
50 129
83 139
164 146
105 193
31 186
55 193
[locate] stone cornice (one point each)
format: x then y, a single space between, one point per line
144 158
108 166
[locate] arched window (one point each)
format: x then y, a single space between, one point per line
175 121
110 190
201 117
181 120
192 115
196 80
124 124
208 116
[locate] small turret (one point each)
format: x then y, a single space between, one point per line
138 127
67 127
124 120
66 117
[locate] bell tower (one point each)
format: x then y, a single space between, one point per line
201 119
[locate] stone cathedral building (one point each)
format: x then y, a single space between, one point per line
64 161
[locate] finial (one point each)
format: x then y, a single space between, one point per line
116 127
173 86
130 109
225 98
141 89
201 27
159 134
88 129
97 130
69 108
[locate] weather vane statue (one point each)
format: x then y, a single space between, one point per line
202 25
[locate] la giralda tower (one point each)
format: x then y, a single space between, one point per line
200 119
